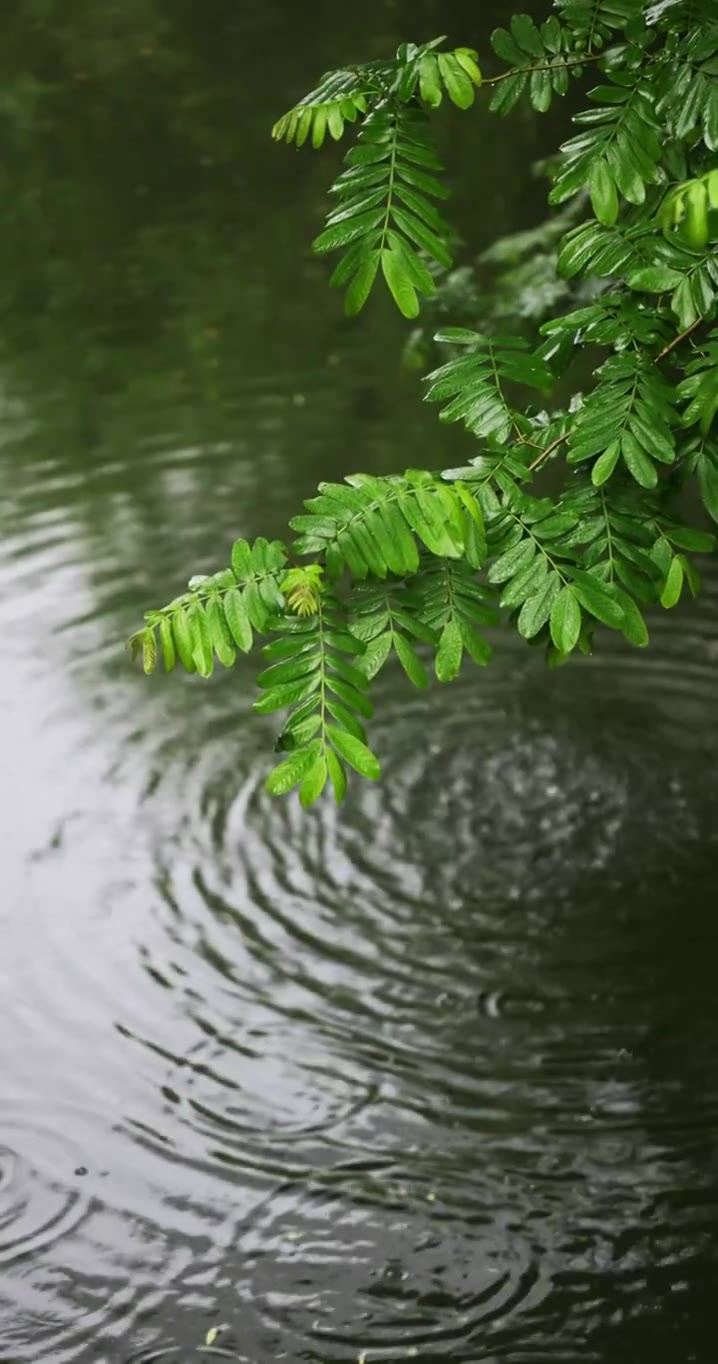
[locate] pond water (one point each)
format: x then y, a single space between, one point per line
433 1079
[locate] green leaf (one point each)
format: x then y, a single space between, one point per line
638 463
149 651
429 83
527 36
536 610
449 653
278 698
342 234
219 632
708 484
290 670
237 619
654 279
417 231
634 628
683 304
400 285
346 719
512 562
319 126
335 122
355 753
605 464
354 676
427 183
350 696
289 773
167 643
505 47
597 600
671 594
183 639
420 277
313 781
476 646
376 654
602 188
541 91
242 559
412 665
202 652
565 621
337 776
361 285
697 541
459 87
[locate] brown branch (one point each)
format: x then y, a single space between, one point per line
550 66
682 336
548 451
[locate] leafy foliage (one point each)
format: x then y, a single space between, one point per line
416 567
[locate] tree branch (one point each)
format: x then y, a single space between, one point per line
548 451
546 66
682 336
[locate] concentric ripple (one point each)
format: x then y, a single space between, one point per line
41 1194
450 1024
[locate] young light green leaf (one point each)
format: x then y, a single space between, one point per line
149 650
167 643
346 719
313 781
429 83
202 651
219 632
355 753
337 776
350 696
278 698
671 594
183 639
237 619
459 87
467 57
242 559
289 773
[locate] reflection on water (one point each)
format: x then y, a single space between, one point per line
434 1079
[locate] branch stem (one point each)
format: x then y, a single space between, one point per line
682 336
550 66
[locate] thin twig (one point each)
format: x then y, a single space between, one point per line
677 339
551 66
548 451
